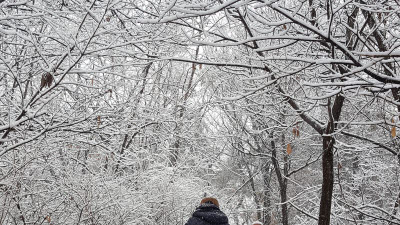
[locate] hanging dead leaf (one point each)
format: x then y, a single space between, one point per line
339 165
392 120
92 81
110 90
289 149
48 219
296 131
200 66
47 80
43 82
98 121
108 18
393 132
284 26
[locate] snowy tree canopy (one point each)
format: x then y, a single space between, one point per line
132 111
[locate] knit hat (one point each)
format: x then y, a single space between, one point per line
210 200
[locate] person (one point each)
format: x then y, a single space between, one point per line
208 213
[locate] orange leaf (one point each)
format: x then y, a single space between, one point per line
339 165
392 120
48 219
289 149
393 132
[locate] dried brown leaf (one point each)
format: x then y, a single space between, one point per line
289 149
47 80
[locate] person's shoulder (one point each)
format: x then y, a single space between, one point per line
195 221
210 214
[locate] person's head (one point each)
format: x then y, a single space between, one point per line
209 200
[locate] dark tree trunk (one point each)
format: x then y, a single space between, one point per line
267 194
327 183
282 180
327 161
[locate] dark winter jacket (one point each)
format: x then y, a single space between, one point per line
208 214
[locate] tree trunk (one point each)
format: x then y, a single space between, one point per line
282 182
253 188
327 161
267 194
327 183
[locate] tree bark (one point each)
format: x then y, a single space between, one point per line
327 161
327 183
253 188
282 180
267 194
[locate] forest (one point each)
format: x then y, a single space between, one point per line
131 111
